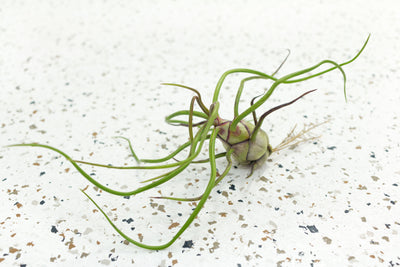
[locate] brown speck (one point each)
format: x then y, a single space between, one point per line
375 178
30 244
174 262
94 134
14 192
98 242
363 219
63 236
358 147
161 208
385 238
53 259
66 170
290 177
230 202
327 240
32 127
36 164
13 234
140 237
2 259
169 255
84 255
361 187
215 246
173 225
70 244
265 180
280 251
222 214
13 250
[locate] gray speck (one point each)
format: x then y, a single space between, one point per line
312 228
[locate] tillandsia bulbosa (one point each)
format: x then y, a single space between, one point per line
243 140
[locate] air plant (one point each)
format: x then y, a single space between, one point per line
243 140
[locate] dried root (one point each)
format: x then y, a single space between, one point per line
293 139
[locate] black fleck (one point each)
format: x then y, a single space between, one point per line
42 202
232 187
312 228
53 229
372 155
127 197
128 220
346 211
331 147
42 173
280 166
188 244
276 208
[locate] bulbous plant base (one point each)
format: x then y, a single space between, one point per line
246 150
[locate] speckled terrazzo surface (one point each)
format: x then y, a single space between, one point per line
74 74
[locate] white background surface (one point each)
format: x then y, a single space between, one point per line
75 73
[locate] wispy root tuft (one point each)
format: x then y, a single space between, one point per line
293 139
